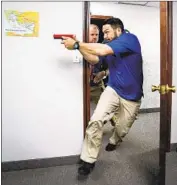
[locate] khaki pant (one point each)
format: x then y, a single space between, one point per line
96 91
109 104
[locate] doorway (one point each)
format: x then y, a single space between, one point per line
97 20
135 140
165 68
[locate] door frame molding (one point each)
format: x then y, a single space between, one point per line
166 32
86 75
102 17
166 54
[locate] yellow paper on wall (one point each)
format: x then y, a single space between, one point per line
25 24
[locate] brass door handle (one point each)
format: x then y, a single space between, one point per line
155 88
163 89
172 89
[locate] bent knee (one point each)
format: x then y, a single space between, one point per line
94 130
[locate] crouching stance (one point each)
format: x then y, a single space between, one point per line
121 98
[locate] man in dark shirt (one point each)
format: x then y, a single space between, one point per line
121 97
97 71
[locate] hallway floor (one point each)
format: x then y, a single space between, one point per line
135 162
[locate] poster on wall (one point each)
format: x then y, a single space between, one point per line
25 24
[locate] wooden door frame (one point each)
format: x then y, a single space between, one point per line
166 54
101 17
166 32
86 75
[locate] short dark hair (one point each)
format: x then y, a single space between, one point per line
115 23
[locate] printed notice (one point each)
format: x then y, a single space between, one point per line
25 24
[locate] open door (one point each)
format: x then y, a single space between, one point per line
165 88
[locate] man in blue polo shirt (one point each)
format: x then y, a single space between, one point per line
121 97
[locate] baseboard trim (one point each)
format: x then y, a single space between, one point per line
150 110
38 163
173 147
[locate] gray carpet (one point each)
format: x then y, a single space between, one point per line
135 162
171 168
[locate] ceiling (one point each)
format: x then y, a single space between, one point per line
141 3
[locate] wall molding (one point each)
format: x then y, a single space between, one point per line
39 163
150 110
47 162
173 147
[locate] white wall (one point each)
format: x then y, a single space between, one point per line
174 95
145 23
42 90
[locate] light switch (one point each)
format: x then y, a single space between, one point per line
76 56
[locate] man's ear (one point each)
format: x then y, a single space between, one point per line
119 31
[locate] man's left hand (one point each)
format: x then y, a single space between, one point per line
68 42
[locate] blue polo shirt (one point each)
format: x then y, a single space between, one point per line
125 67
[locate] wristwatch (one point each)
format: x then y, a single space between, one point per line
76 45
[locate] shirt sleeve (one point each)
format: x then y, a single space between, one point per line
101 59
119 46
104 65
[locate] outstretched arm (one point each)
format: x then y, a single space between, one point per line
96 49
90 51
92 59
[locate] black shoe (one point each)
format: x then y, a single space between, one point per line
80 161
110 147
86 168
